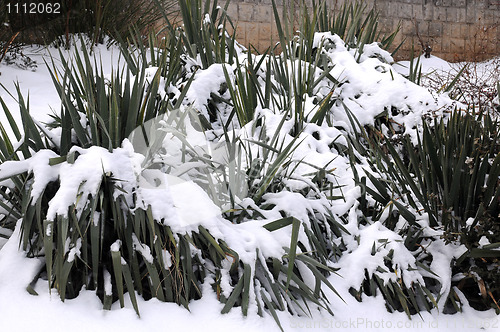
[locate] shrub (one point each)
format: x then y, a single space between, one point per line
356 25
93 189
81 193
449 179
204 33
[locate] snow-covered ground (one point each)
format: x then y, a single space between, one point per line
477 84
20 311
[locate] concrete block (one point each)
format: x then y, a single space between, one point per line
446 45
370 3
423 28
252 33
480 13
428 11
246 12
451 14
404 11
461 15
465 30
398 39
439 14
263 13
491 17
386 24
263 45
418 12
241 32
383 8
265 31
229 29
232 11
472 42
446 32
437 46
470 14
435 29
481 4
456 30
408 28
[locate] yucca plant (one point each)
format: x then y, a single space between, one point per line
245 90
451 177
303 69
97 229
12 191
415 69
410 287
288 77
284 80
112 108
205 31
355 24
453 169
95 113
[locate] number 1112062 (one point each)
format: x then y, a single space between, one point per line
34 8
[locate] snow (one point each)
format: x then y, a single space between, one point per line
143 249
108 288
84 177
75 250
48 313
115 247
475 86
206 82
39 165
371 84
429 65
381 240
368 87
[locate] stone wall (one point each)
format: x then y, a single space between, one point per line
455 29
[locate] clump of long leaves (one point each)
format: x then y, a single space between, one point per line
204 32
248 189
450 176
102 112
285 80
409 288
95 113
355 24
201 41
109 240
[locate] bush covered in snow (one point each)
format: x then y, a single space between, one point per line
199 163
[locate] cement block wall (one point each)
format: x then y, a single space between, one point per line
455 29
